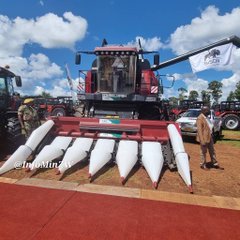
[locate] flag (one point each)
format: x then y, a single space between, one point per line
69 77
212 58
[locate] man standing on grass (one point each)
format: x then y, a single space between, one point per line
204 137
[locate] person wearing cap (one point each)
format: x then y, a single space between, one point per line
204 137
28 116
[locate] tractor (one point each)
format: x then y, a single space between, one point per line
229 111
10 128
59 106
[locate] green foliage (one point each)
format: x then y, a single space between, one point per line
231 96
173 101
205 96
237 91
215 88
193 95
182 92
46 94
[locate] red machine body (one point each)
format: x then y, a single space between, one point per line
121 84
230 113
138 130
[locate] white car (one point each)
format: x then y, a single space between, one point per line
188 123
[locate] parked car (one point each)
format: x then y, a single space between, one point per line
188 123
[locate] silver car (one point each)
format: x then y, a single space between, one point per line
188 123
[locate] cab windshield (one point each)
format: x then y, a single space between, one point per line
116 74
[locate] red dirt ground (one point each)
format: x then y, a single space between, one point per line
213 182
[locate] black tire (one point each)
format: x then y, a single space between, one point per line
15 138
59 112
231 122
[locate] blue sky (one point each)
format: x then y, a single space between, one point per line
38 38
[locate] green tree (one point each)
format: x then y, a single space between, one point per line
205 96
231 96
182 92
46 94
193 95
237 91
216 91
173 101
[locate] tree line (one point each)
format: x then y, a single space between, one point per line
213 91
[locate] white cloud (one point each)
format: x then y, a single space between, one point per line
191 82
149 44
39 90
35 71
37 66
196 84
41 3
169 92
178 76
59 91
229 84
208 28
49 31
59 87
53 31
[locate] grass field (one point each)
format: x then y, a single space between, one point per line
231 138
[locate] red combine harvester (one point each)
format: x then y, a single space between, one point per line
122 108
